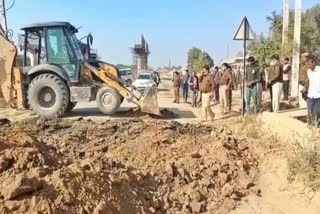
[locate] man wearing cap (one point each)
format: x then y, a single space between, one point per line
275 80
303 77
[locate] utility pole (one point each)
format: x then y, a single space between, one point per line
285 26
3 18
296 49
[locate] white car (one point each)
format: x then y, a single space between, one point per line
144 80
126 75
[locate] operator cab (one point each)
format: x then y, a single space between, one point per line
52 46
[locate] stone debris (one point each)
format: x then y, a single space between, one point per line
125 166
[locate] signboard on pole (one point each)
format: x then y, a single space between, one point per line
244 33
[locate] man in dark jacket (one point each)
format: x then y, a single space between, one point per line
207 87
194 86
185 86
286 78
176 87
276 81
252 79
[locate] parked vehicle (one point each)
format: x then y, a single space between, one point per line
126 75
144 80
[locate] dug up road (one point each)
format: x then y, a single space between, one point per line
132 163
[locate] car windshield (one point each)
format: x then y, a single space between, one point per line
143 77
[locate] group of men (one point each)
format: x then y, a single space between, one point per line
277 81
215 85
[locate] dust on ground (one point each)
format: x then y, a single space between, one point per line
126 166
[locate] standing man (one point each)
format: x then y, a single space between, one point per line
194 86
225 84
286 78
206 87
185 85
252 80
260 85
232 87
303 76
275 81
312 88
176 87
216 78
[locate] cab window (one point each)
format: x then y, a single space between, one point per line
57 47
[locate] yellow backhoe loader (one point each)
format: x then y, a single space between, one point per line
53 75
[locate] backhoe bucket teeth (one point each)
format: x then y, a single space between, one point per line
149 101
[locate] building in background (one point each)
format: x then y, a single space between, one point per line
140 54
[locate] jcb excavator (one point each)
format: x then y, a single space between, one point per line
53 75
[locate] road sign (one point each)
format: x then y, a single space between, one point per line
244 31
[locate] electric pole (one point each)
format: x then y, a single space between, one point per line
296 49
285 26
3 18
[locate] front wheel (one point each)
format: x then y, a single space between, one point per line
48 96
71 106
108 100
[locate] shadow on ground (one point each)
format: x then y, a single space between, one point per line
126 113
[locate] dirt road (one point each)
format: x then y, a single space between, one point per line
165 97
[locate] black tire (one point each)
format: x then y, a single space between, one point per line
71 106
48 96
108 100
129 82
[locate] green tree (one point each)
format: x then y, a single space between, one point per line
265 46
198 58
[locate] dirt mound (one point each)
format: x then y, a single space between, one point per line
128 166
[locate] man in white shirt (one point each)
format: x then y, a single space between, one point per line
312 88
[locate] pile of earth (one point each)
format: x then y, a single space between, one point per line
127 166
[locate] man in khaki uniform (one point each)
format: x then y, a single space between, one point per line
275 80
176 87
225 87
207 89
303 76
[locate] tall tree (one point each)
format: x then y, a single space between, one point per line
198 58
310 36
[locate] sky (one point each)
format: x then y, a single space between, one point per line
171 27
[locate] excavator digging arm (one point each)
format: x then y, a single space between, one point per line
148 102
113 81
8 94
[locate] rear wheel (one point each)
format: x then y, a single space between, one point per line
48 96
108 100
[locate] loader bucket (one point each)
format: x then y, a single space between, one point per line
149 101
7 56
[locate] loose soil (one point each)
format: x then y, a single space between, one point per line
126 166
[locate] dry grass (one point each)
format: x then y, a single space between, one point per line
304 163
303 157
